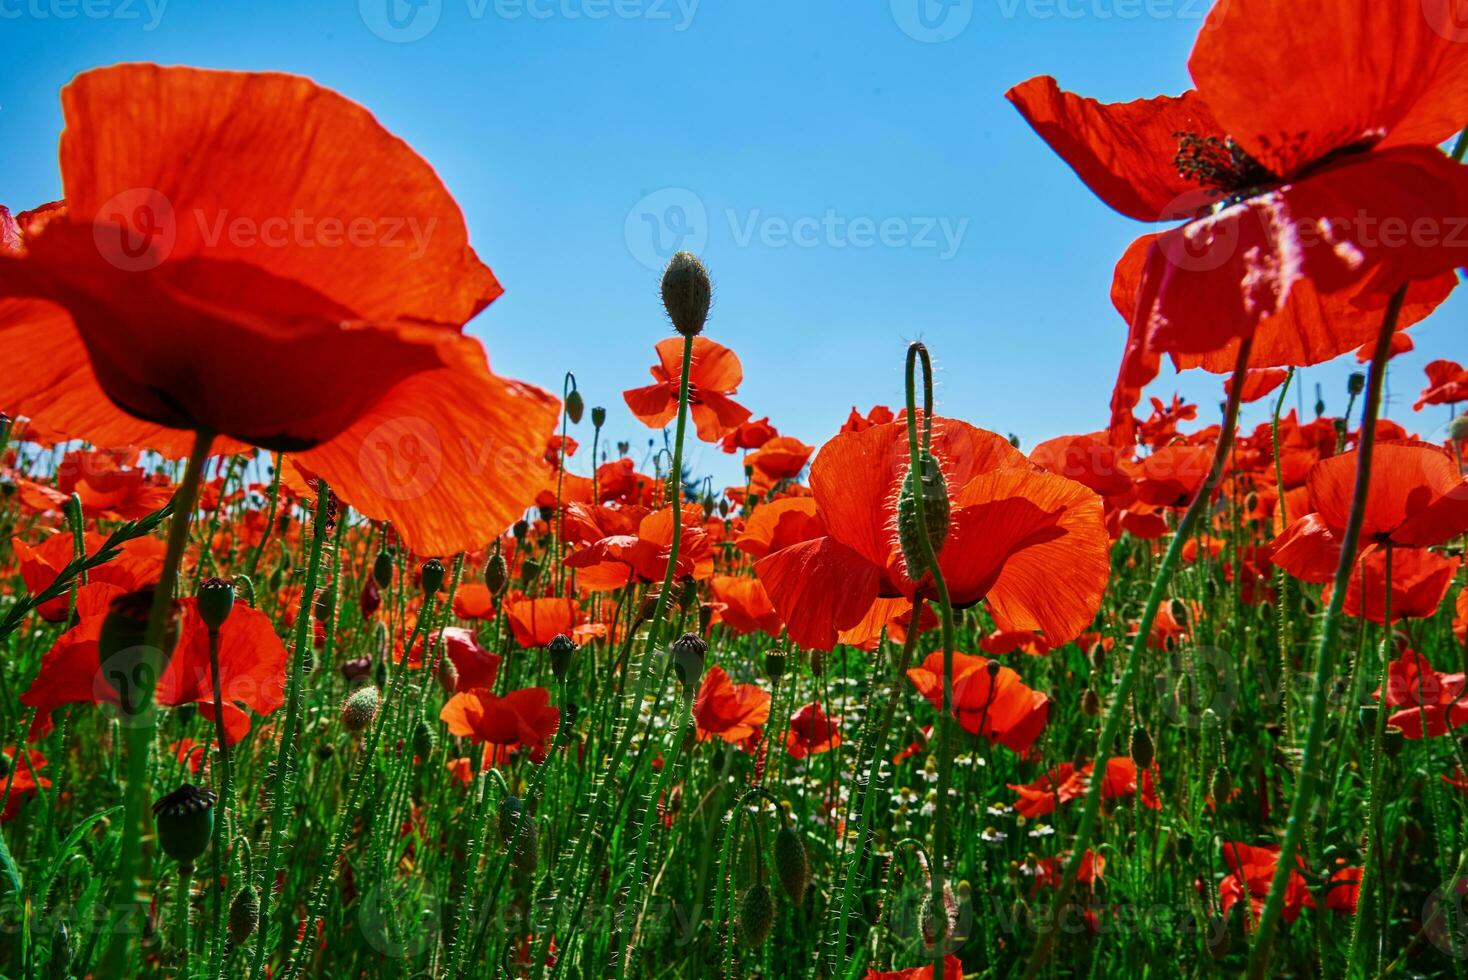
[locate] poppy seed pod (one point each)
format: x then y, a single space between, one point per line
519 529
687 293
382 569
1458 428
432 576
792 864
1355 384
1142 749
756 915
560 648
215 601
774 665
359 710
121 652
935 515
575 406
423 740
689 651
496 573
244 914
598 416
185 820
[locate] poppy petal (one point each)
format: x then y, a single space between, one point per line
820 587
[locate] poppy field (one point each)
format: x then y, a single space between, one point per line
326 650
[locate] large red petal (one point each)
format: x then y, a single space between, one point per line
820 587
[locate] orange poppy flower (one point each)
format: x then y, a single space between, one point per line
1258 382
952 970
988 700
475 666
812 732
473 600
251 665
1090 460
1447 384
744 607
1065 784
1171 476
1001 643
523 719
748 435
231 259
139 563
1432 702
1283 239
780 524
535 622
1417 499
781 458
106 489
879 415
1343 890
1030 543
1419 583
713 376
20 778
611 562
1251 870
732 712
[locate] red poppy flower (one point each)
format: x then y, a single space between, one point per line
988 699
1030 543
1460 624
1287 214
613 561
1251 872
781 458
1065 784
523 719
1343 890
748 435
1047 874
1090 460
558 447
1419 583
473 600
1008 642
879 415
535 622
20 778
139 563
1171 476
1402 343
106 489
952 970
1257 383
732 712
619 481
239 264
1432 702
251 665
1417 499
713 376
812 732
744 606
779 524
476 667
1447 384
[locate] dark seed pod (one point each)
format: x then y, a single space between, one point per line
1142 750
792 864
215 601
687 293
1393 740
359 710
244 914
689 651
185 821
561 647
756 915
529 570
519 529
1355 384
1222 787
774 665
382 569
935 515
496 573
423 739
575 406
598 416
1091 703
432 576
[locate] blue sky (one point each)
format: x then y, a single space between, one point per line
850 172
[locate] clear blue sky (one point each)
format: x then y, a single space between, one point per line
570 129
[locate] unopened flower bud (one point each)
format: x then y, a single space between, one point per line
382 569
1141 748
756 915
687 293
496 573
215 601
360 709
185 821
1458 428
1355 384
575 406
560 648
689 651
598 417
432 576
244 914
934 495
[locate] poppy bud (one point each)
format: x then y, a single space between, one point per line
496 573
689 651
1091 703
687 293
360 709
792 864
756 915
185 821
520 529
529 570
382 569
121 651
574 407
598 417
244 914
687 594
1222 786
1356 383
774 665
935 515
324 609
1393 739
447 675
371 599
1458 428
432 576
561 647
215 600
423 740
356 669
1142 750
1366 715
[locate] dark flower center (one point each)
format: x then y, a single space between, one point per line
1219 162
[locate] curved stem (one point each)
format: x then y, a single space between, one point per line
1117 709
1310 776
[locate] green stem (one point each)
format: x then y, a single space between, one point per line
221 816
